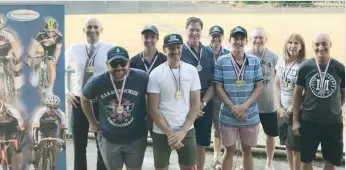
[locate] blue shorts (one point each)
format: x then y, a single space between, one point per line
204 124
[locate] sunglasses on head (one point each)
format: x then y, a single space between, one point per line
116 62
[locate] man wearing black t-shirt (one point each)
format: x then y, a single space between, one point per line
320 119
121 93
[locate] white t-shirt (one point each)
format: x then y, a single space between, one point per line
290 73
161 81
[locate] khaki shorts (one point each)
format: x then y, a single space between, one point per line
187 155
247 135
115 155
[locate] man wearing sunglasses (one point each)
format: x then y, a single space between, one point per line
121 129
49 120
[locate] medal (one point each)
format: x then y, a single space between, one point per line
285 83
91 57
178 95
90 69
120 108
199 67
320 86
239 72
151 65
177 83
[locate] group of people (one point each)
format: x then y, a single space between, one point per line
178 95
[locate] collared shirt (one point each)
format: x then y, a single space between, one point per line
222 52
138 61
76 58
225 73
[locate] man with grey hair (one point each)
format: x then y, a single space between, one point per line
266 104
317 117
88 59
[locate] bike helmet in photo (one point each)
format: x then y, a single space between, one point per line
52 100
51 24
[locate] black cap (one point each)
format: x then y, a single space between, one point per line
239 30
151 28
117 52
172 39
215 30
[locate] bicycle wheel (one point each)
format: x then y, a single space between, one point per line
48 162
45 160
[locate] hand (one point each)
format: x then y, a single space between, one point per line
295 128
71 99
283 114
177 146
176 138
94 127
200 114
238 109
241 116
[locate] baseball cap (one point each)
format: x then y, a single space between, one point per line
151 28
117 52
171 39
215 30
239 30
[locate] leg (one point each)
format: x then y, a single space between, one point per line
248 137
100 163
161 150
134 153
111 152
51 74
290 159
203 134
80 128
292 143
187 155
296 160
283 128
332 145
309 141
217 145
269 123
229 136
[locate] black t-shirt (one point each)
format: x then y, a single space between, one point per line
129 125
138 61
318 107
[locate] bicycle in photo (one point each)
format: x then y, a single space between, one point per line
7 79
7 153
46 158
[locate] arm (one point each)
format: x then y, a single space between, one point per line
57 51
342 96
209 94
34 45
195 105
255 94
222 95
88 111
297 101
277 91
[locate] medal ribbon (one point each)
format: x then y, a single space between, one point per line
322 76
177 84
151 65
119 96
92 58
286 74
194 55
238 71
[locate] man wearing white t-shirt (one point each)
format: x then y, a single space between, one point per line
88 59
174 102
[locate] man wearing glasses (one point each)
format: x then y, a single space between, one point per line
122 132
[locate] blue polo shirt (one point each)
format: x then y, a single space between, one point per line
207 63
225 73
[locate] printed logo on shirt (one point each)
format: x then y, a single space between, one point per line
120 119
266 67
328 87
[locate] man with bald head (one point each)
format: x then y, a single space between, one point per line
317 117
266 104
88 59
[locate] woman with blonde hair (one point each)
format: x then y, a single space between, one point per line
287 72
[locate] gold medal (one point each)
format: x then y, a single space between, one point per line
90 69
285 84
178 94
120 109
239 83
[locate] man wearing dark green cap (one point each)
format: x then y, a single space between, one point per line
122 132
174 103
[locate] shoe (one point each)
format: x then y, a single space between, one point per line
32 167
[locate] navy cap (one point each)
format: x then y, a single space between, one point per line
214 30
117 52
151 28
171 39
239 30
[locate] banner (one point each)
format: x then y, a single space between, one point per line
32 85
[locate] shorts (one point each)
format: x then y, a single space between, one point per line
269 123
203 126
330 137
187 155
247 135
216 116
115 155
287 137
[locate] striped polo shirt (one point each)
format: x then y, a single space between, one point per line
225 73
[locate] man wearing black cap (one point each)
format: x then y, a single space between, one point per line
238 81
216 37
122 111
174 102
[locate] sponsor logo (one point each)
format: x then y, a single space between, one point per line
23 15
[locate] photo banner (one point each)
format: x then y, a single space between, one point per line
32 69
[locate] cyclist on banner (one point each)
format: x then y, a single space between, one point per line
12 128
50 122
50 39
10 52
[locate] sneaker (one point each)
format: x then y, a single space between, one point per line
32 167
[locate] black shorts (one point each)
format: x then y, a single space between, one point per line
203 126
330 137
269 123
287 137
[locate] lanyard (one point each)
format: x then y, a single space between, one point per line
239 71
118 94
286 73
322 76
194 55
151 65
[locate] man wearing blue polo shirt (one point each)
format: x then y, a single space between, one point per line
201 57
238 78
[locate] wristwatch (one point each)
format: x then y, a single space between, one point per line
204 103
